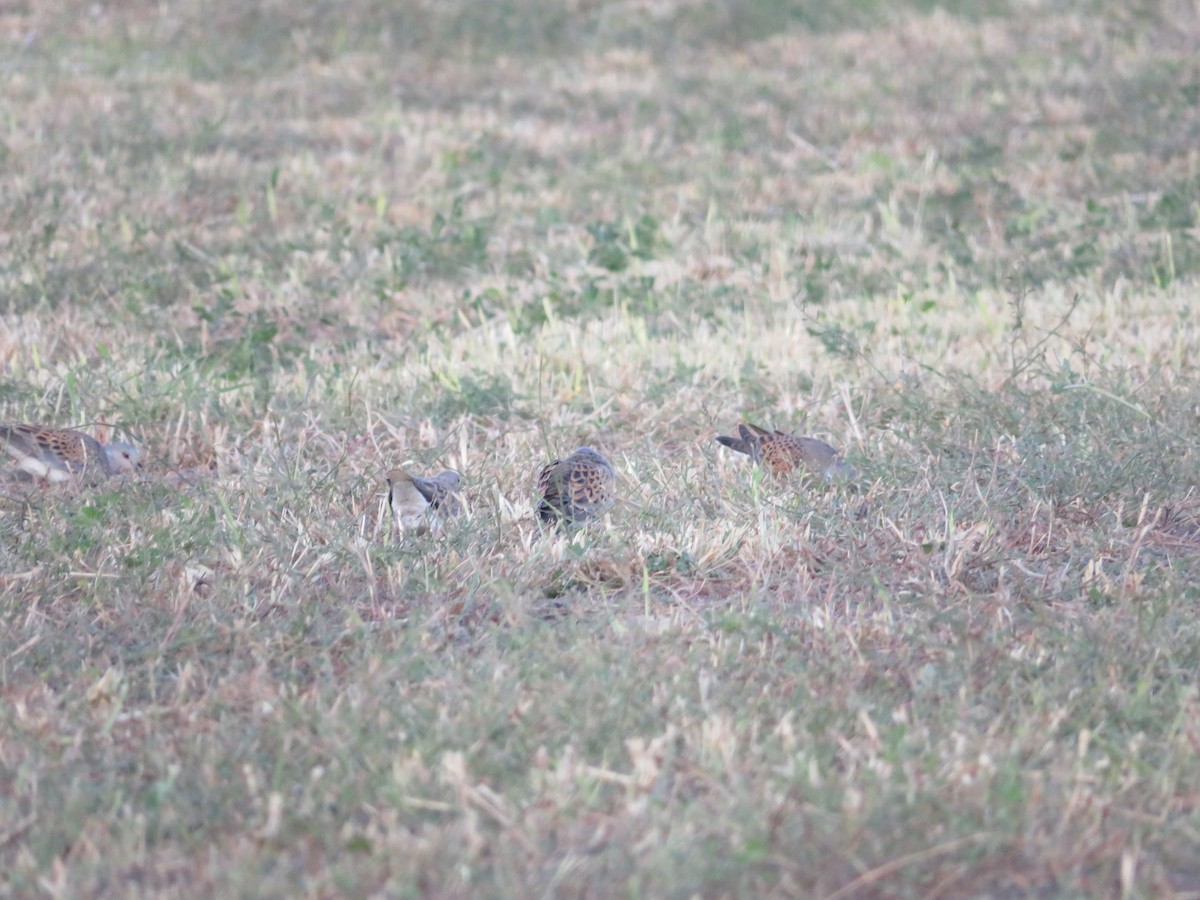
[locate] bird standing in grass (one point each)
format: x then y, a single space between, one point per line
418 504
57 454
780 453
576 488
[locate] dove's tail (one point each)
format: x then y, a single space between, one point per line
747 440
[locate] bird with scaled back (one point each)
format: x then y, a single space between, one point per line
58 454
576 489
780 453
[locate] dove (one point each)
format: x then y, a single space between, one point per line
57 454
780 453
576 488
418 504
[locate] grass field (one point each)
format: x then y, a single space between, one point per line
286 247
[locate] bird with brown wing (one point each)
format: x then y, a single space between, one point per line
576 488
780 453
58 454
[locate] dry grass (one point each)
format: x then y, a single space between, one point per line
285 249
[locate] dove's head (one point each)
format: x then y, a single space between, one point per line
121 457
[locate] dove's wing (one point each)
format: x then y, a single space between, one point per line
54 453
576 488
